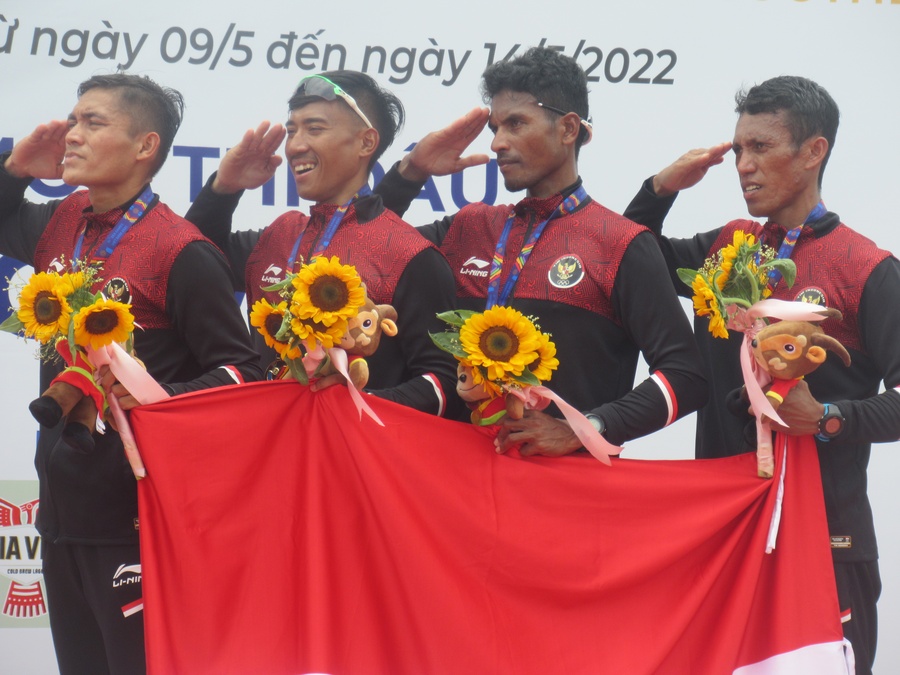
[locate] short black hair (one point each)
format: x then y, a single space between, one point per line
548 75
809 109
151 106
384 109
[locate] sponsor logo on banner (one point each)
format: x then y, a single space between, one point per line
21 566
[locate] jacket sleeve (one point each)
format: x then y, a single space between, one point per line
21 222
650 211
203 310
425 288
397 194
877 419
652 315
213 214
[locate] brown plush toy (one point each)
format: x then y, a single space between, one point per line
73 395
362 339
486 408
788 351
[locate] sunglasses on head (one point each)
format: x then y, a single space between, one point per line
321 87
586 123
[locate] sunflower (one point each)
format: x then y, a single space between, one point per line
546 363
327 291
310 332
704 298
501 339
43 308
71 282
102 323
268 320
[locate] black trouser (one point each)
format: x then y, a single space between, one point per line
91 596
859 585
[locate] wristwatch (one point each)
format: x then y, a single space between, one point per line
831 424
597 422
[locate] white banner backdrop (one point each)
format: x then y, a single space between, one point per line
663 76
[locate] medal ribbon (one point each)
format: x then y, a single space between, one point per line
790 240
494 295
126 222
330 229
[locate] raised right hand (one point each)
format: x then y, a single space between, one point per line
252 161
41 153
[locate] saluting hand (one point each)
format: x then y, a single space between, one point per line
251 162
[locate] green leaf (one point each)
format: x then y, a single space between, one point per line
298 372
687 275
281 285
527 378
787 268
456 317
12 324
449 342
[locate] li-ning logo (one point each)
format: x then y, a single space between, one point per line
272 275
56 266
126 575
474 267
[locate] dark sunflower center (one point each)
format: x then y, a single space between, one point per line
102 322
273 325
47 309
499 343
329 293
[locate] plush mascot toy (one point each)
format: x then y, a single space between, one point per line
487 408
788 351
362 338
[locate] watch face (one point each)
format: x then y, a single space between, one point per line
833 426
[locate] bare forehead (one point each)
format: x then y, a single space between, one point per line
331 112
762 126
507 103
105 102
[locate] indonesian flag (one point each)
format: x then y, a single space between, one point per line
282 534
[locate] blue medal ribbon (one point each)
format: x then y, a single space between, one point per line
498 297
131 216
330 229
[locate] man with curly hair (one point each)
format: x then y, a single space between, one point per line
594 279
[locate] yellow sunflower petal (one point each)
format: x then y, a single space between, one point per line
102 323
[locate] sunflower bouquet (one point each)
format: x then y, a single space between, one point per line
318 302
70 321
733 280
500 352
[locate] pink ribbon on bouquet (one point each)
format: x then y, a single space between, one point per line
341 362
538 397
139 383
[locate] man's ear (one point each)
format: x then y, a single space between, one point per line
370 140
817 148
570 125
149 146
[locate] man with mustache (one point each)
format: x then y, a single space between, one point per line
594 280
785 132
